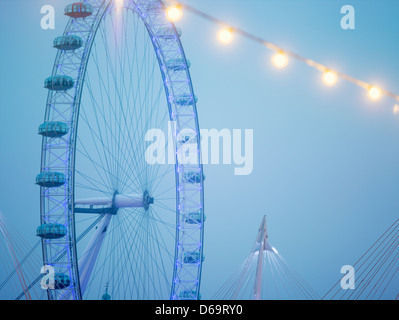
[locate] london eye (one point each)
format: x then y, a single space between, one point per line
110 220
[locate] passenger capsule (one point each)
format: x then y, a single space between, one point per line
61 281
187 135
193 177
178 64
59 83
185 139
185 100
79 10
192 257
189 294
153 7
53 129
168 33
51 231
194 217
50 179
106 296
68 42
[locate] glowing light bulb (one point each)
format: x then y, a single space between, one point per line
374 93
225 35
330 78
280 60
174 13
119 4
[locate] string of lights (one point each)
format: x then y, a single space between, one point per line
281 56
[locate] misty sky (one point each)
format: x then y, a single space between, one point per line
326 159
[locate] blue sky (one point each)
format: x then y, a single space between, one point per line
325 159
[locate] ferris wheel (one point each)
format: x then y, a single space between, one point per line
112 221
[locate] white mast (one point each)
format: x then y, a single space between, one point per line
261 240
